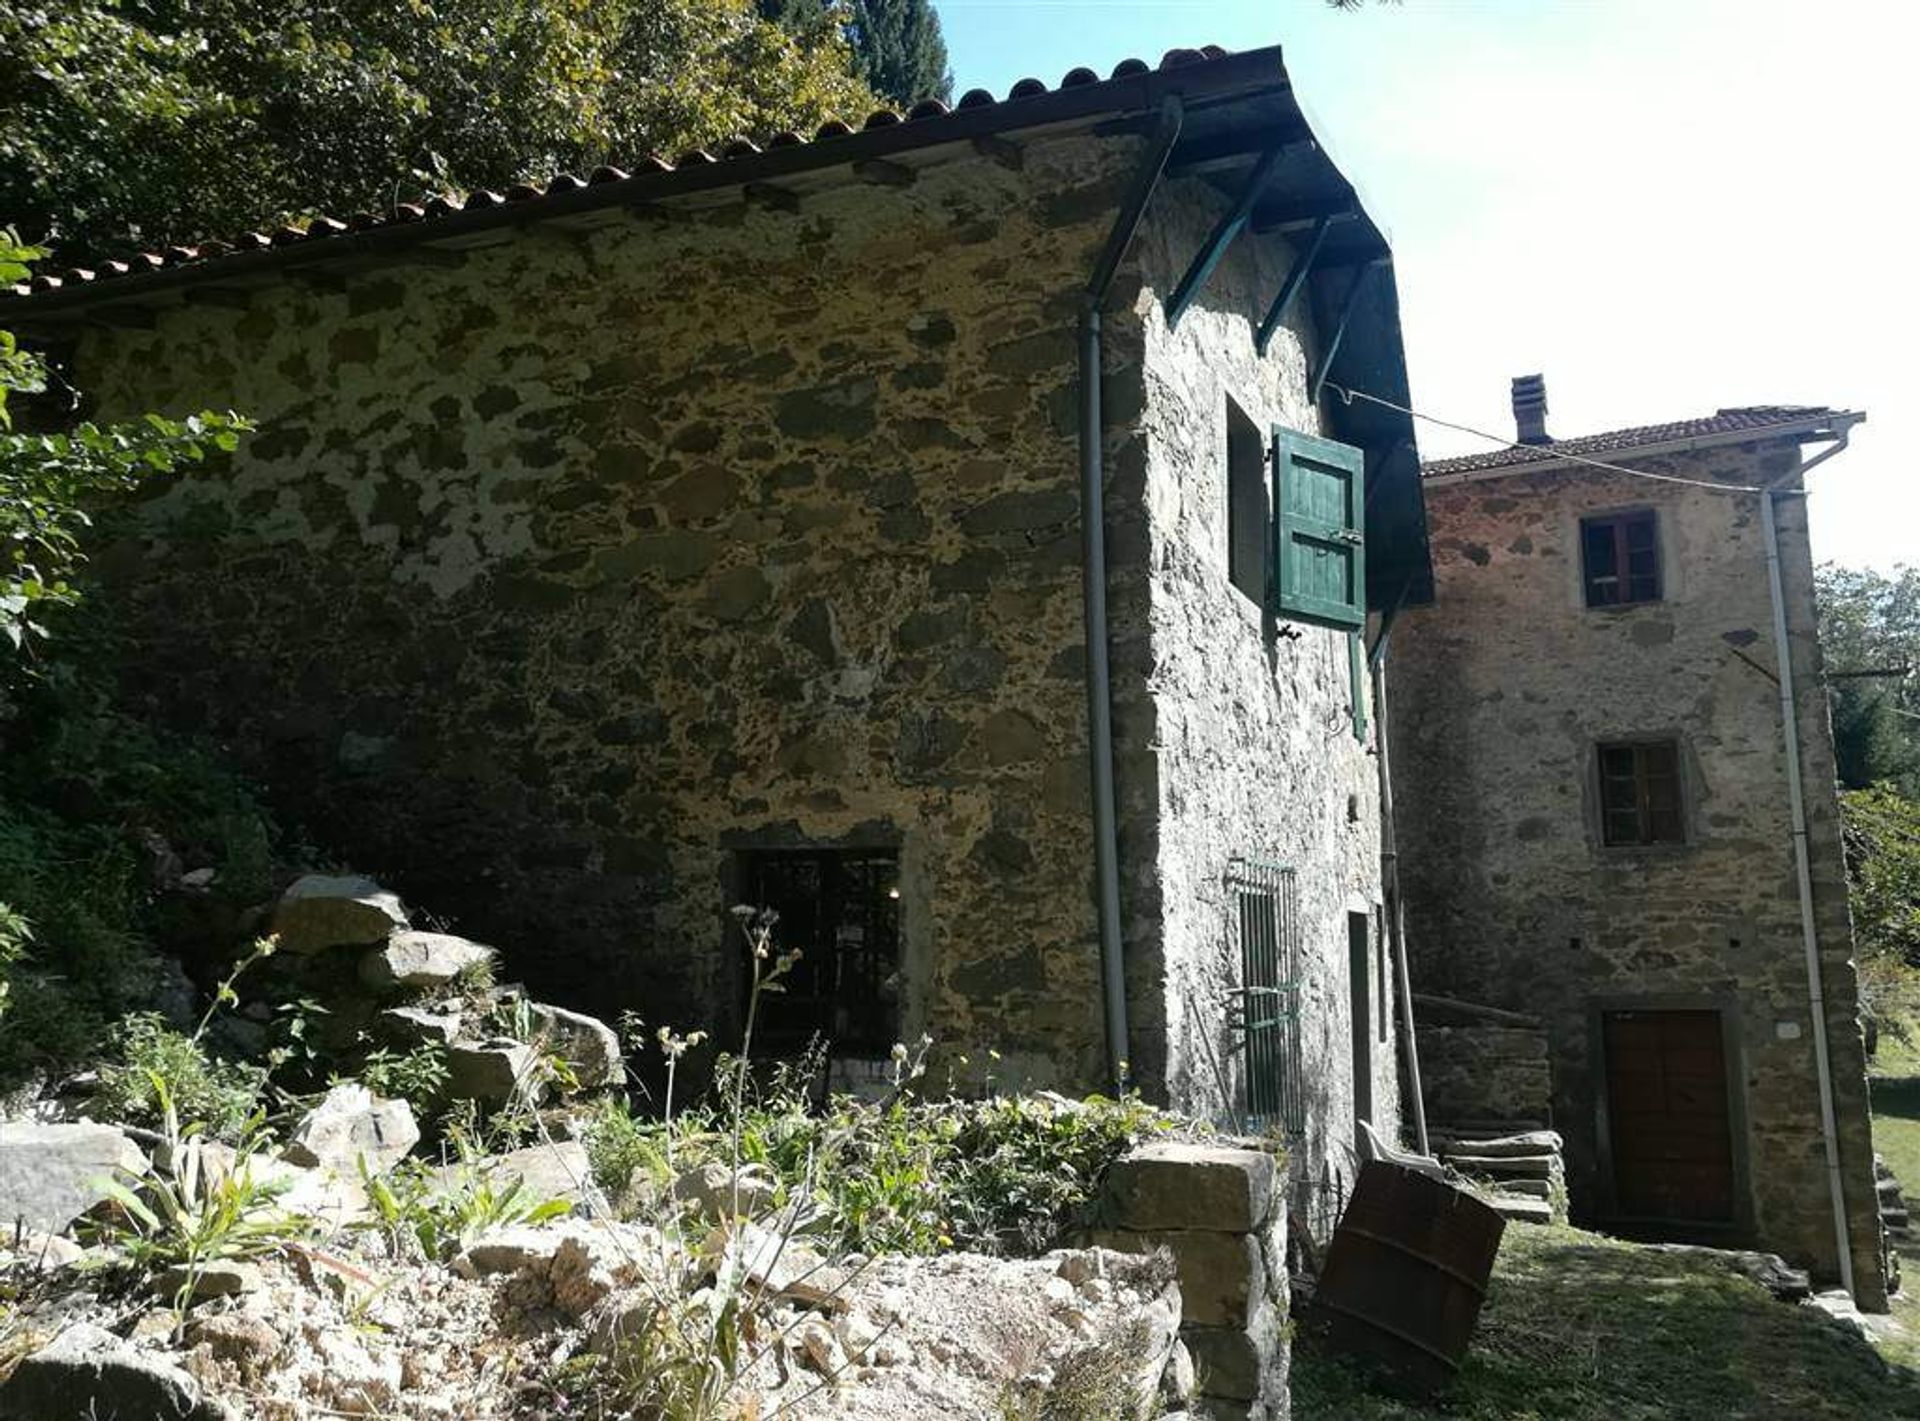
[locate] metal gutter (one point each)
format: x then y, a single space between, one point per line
1803 874
1832 422
1093 527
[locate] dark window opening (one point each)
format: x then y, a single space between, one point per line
1248 526
1620 559
1640 794
840 909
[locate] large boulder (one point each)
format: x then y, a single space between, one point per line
418 959
588 1046
318 912
49 1173
352 1128
88 1372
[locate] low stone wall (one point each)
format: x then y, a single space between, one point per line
1221 1211
1472 1077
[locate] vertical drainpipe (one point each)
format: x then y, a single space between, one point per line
1810 939
1106 832
1390 884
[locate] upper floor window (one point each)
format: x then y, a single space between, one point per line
1620 559
1249 534
1640 794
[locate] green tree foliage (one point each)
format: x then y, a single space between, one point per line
898 48
1882 840
1883 872
47 478
1871 621
144 122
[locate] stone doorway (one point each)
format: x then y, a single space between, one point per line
1669 1119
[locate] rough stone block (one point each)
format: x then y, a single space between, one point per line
412 1027
417 959
492 1072
588 1045
351 1129
1223 1278
1178 1185
87 1371
1236 1363
318 912
47 1172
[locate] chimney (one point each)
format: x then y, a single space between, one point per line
1530 409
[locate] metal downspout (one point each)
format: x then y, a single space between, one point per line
1390 883
1797 808
1106 833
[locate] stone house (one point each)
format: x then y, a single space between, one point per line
612 552
1610 829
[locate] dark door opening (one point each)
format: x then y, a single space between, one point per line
840 908
1360 988
1669 1126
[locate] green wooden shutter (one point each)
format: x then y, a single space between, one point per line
1320 568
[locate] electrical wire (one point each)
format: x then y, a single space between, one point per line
1551 455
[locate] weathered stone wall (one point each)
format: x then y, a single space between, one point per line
1221 1211
1245 739
1475 1076
548 581
1504 685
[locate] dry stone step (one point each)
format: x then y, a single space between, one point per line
1503 1166
1525 1211
1528 1188
1530 1142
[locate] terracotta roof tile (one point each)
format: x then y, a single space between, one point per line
441 205
1727 421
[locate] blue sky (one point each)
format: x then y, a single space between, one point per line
1667 206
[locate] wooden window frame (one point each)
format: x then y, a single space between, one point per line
1633 590
1649 808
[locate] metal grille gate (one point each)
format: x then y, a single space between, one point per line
1263 901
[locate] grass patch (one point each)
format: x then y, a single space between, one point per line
1579 1327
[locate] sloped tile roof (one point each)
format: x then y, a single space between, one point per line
1722 422
530 197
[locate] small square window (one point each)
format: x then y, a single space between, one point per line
1640 794
840 909
1620 559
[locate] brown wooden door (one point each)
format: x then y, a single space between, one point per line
1667 1116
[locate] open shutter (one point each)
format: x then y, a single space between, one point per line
1320 565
